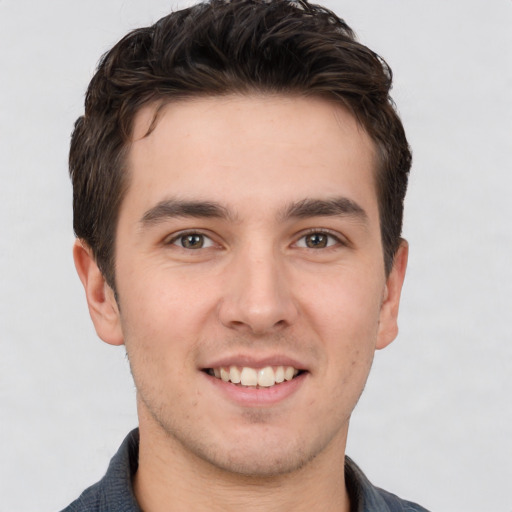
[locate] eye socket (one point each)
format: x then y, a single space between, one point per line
317 240
192 241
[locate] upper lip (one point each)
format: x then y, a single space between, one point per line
251 361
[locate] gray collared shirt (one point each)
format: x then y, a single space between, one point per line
114 492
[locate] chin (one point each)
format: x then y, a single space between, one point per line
260 453
259 463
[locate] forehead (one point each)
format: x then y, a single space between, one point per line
243 148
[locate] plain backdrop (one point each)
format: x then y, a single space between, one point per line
435 422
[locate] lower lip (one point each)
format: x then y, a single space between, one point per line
248 396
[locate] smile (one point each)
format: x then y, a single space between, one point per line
254 377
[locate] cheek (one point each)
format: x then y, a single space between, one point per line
344 315
346 307
162 318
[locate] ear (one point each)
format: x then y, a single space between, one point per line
102 304
388 324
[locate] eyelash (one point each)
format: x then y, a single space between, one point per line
322 232
183 234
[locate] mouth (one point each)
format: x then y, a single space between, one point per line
246 376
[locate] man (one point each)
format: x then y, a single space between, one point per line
238 178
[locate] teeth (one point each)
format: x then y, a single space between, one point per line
266 377
234 375
262 377
289 372
279 374
249 377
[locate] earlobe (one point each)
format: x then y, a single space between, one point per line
388 325
102 304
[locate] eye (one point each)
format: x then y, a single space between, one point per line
317 240
192 241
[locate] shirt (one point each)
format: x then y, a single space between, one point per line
114 492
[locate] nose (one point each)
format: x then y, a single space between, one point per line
257 297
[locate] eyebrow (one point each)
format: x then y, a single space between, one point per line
337 206
171 208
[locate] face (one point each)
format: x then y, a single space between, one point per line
250 278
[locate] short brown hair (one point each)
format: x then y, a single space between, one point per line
221 47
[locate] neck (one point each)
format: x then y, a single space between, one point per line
171 478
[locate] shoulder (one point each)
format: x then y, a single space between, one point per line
89 500
114 491
365 497
396 504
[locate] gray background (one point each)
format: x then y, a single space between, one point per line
435 422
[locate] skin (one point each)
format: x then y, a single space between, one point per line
253 291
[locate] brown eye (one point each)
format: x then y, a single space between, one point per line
316 240
192 241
